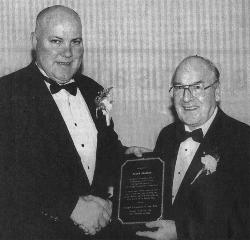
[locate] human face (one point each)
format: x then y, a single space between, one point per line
59 47
192 110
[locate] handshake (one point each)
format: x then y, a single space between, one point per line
91 214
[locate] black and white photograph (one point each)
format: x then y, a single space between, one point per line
125 120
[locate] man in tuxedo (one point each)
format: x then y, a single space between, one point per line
57 150
207 155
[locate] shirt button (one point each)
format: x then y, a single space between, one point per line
179 172
82 145
76 124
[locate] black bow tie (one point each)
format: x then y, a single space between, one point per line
55 87
196 135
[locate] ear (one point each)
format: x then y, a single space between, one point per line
33 39
217 92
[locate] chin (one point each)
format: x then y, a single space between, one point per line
190 122
63 78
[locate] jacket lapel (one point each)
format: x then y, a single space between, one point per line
171 157
192 171
209 143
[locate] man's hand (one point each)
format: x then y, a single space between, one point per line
166 230
106 204
137 151
91 214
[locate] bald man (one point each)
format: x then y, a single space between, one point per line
207 155
56 154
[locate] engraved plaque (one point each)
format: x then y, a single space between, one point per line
141 190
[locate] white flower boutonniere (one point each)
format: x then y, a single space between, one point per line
209 165
103 103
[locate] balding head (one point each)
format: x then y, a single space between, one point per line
198 64
53 15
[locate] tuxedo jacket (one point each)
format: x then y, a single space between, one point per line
41 172
214 206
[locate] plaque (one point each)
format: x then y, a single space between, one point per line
141 190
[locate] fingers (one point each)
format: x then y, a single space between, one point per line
143 149
154 224
108 207
89 230
137 151
146 234
150 234
103 221
105 215
93 228
166 230
92 231
92 214
96 199
106 204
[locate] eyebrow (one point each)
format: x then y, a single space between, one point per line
60 38
177 83
53 36
78 38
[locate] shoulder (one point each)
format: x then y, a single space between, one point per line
17 74
166 142
234 127
168 131
11 83
234 140
17 79
167 136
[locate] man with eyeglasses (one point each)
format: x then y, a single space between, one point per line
207 156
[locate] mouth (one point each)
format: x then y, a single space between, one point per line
64 63
190 108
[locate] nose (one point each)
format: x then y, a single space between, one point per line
187 95
67 51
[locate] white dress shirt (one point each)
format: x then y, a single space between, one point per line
79 122
186 154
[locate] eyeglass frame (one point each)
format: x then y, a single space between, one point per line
184 87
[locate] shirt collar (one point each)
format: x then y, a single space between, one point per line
207 124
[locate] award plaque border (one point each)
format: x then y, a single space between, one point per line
148 156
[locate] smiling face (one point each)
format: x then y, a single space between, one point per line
58 44
194 111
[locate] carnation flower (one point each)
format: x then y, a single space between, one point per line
209 165
103 103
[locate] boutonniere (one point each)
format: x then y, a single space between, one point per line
103 103
209 164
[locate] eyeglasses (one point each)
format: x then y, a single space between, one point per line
196 89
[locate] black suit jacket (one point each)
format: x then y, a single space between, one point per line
215 206
41 171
